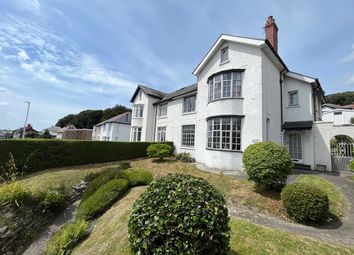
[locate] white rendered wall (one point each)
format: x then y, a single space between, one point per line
120 132
341 119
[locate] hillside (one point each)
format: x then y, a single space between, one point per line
342 98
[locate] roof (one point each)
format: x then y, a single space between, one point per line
148 91
336 106
70 126
297 125
124 118
262 43
175 94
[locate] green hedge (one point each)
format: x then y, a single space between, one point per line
34 155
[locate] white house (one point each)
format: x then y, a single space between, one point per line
339 115
244 94
116 128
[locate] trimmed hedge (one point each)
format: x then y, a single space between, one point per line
305 203
179 214
34 155
138 177
104 197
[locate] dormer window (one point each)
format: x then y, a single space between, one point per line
293 98
224 56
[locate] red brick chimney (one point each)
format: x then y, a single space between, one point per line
271 32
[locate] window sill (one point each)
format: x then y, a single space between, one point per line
187 148
212 149
188 113
225 98
162 117
225 62
293 106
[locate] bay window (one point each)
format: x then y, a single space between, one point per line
225 85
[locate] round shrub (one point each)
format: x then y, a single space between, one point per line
53 200
305 203
179 214
138 177
267 163
159 150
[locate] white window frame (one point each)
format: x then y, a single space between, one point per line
189 106
221 86
136 134
224 55
161 134
162 110
188 137
291 99
224 133
138 111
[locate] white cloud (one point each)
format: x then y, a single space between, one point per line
22 55
348 58
4 103
28 5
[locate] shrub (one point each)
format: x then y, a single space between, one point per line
351 165
267 163
9 171
103 177
179 214
99 201
305 203
67 237
159 150
38 154
14 193
185 157
53 200
138 177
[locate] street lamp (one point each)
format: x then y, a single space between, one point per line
24 128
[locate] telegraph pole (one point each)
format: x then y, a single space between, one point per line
24 128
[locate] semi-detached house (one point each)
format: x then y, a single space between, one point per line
244 94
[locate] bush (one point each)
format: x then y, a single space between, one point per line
159 150
138 177
305 203
53 200
104 197
351 165
67 237
103 177
14 193
185 157
179 214
267 163
38 154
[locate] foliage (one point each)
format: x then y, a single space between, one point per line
38 154
159 150
138 177
351 165
267 163
104 197
14 193
9 172
46 135
53 200
305 203
342 98
185 157
67 237
89 118
179 214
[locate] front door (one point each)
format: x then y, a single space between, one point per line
295 147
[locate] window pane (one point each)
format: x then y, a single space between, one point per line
224 54
189 104
188 135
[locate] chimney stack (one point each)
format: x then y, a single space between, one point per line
271 32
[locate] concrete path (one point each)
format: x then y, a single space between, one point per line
335 232
40 244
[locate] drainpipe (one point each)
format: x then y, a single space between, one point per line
281 104
155 117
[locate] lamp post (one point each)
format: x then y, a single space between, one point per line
24 128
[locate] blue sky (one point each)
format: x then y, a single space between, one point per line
68 56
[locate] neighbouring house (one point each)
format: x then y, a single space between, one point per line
5 134
61 131
53 130
116 128
244 94
30 132
339 115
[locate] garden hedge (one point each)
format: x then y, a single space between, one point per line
34 155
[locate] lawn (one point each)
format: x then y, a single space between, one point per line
337 202
110 236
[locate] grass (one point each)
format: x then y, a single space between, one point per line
351 177
110 236
337 202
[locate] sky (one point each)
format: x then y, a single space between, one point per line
66 56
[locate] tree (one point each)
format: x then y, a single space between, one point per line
46 135
342 98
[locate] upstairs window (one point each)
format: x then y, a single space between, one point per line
293 98
224 56
225 85
162 112
189 104
138 111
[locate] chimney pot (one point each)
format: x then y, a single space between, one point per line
271 32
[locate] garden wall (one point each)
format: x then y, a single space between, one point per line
35 155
